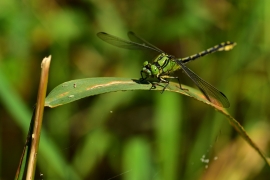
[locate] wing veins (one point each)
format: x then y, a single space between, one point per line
115 41
134 37
209 91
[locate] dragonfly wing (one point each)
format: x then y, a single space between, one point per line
115 41
209 91
133 37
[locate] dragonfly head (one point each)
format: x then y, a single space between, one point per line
149 69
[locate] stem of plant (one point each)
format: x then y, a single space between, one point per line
45 65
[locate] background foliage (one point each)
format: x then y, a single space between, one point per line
140 134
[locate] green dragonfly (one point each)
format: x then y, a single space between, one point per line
164 65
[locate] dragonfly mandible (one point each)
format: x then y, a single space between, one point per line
164 64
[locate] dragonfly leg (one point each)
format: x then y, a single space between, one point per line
184 89
162 79
143 78
153 86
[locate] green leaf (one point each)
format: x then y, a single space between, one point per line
77 89
80 88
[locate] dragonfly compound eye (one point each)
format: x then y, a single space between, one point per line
154 69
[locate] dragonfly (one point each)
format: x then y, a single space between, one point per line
164 64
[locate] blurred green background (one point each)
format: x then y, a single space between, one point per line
136 134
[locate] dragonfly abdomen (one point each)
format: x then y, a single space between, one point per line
225 46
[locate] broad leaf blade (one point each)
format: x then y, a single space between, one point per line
77 89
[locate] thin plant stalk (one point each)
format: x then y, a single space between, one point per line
45 65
